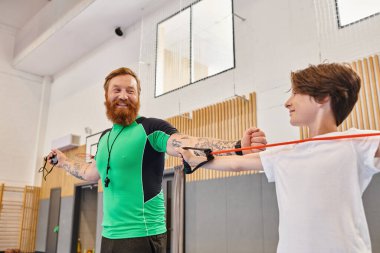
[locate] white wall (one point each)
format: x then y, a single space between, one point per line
20 95
275 38
49 19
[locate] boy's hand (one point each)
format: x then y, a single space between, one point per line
253 137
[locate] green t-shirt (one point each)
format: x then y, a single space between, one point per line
133 202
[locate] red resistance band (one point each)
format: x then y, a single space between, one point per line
350 136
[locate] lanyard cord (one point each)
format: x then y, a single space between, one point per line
107 180
44 170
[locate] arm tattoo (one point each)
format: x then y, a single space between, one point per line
215 144
74 169
178 142
202 142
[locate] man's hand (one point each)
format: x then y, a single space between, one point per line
58 154
253 137
80 170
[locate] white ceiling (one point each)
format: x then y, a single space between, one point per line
87 30
15 13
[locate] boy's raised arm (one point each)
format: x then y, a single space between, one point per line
224 163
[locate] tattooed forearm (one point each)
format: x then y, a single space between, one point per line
75 169
178 142
182 140
215 144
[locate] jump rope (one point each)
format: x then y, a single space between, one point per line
210 154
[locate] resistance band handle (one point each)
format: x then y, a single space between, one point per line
186 165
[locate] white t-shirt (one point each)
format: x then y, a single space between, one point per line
319 188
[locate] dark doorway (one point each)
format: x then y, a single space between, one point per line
53 222
84 221
167 186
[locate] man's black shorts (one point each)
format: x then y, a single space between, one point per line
149 244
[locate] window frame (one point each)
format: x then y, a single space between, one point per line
191 48
340 26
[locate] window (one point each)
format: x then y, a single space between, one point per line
352 11
194 44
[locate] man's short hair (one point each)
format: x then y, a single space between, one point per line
119 72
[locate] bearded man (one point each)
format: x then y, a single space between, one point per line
130 163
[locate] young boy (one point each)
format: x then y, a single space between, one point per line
319 184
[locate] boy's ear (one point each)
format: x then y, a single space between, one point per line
325 100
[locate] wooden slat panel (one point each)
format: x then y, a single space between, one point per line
29 223
358 106
368 95
1 196
18 217
10 216
375 76
226 120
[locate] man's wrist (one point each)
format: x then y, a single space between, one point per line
238 146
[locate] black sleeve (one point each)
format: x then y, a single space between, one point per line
153 124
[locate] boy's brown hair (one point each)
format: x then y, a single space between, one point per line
119 72
338 81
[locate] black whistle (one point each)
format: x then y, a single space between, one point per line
106 181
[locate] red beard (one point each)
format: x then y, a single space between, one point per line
123 116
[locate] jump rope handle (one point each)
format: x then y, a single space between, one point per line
53 159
